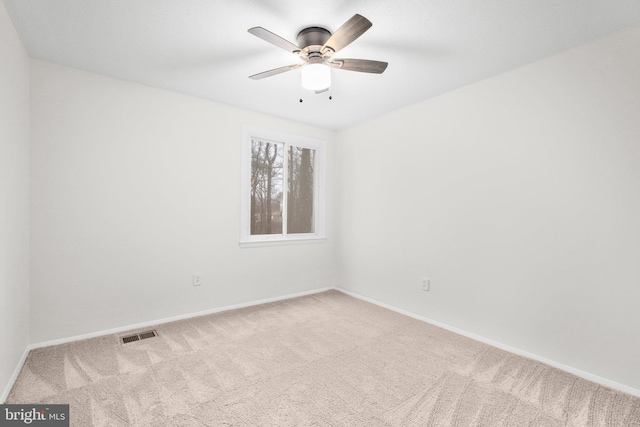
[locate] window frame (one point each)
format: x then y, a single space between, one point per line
288 139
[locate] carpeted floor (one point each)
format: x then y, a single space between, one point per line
322 360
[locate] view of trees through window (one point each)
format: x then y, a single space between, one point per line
300 190
275 166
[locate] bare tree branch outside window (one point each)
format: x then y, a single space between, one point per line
300 191
267 182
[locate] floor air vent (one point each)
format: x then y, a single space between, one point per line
147 334
141 336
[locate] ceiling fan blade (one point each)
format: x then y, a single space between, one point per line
275 71
350 30
274 39
361 65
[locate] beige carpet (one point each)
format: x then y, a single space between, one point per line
321 360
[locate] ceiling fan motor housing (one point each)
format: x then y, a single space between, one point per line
313 38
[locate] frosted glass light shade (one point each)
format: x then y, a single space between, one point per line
316 77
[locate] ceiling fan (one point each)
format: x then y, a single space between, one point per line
316 47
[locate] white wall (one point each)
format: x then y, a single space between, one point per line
520 198
134 190
14 199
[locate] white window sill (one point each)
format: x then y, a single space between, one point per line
281 241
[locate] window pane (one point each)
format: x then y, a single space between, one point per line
266 187
300 192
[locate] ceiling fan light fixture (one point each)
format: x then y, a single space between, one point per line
316 77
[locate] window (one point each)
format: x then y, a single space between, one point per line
282 188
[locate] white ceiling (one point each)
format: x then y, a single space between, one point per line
202 47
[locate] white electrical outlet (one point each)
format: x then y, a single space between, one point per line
196 279
426 284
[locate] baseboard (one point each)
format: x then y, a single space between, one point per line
172 319
14 377
586 375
